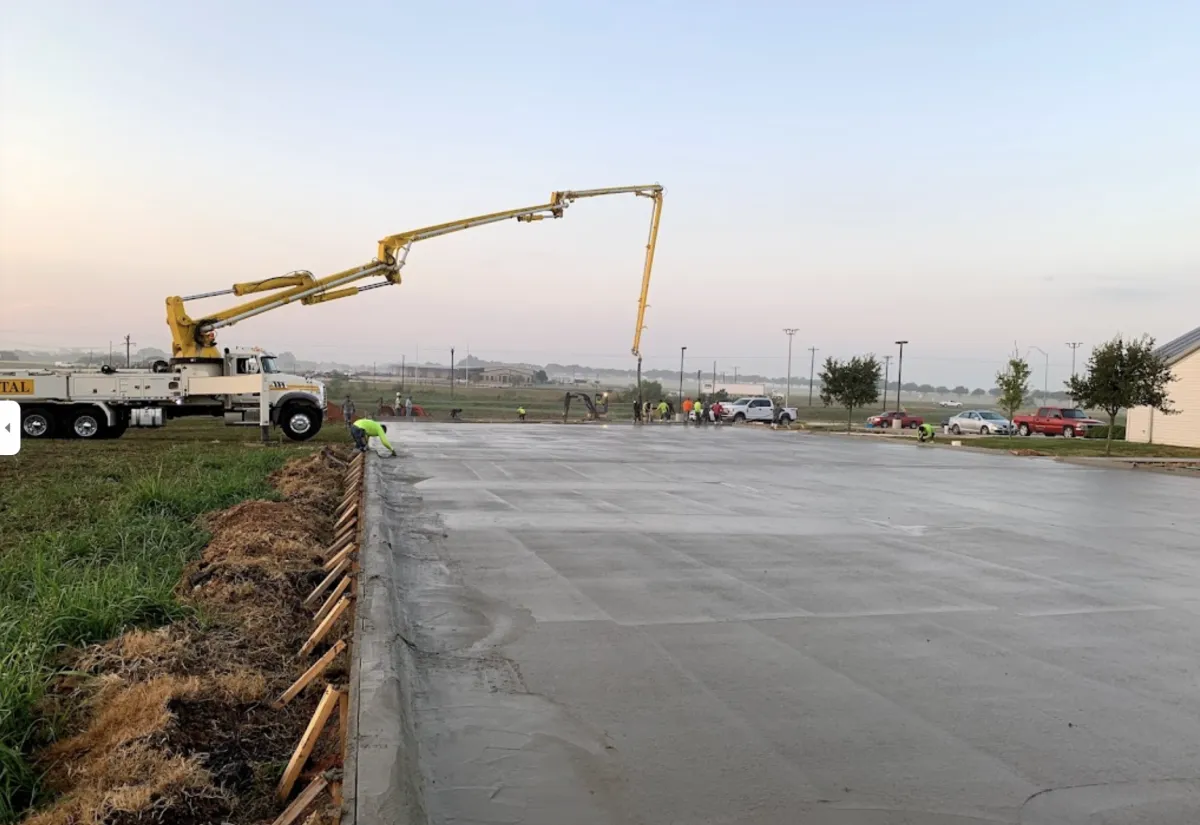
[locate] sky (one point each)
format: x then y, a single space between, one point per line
967 176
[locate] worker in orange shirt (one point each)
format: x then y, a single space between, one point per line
687 409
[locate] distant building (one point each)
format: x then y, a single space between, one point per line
507 376
1149 426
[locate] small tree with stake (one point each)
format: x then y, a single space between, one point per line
1013 383
853 383
1123 374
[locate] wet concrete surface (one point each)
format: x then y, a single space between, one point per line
660 625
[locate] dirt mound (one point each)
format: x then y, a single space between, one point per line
176 724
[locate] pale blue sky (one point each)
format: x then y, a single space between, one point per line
958 174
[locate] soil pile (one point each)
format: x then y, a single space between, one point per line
176 724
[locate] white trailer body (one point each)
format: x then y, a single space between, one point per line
103 403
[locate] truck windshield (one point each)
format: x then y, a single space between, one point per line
1074 414
268 364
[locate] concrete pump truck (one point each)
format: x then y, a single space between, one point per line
201 378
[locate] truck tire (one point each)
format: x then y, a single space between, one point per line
117 430
86 422
300 422
1024 430
1068 432
738 418
786 420
912 425
37 422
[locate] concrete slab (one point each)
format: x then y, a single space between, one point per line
662 625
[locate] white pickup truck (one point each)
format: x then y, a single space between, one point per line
755 408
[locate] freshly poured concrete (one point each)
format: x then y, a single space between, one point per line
660 625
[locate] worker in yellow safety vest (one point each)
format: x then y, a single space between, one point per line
521 413
364 428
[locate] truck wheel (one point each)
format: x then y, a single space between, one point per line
300 422
87 422
1024 430
117 430
37 422
739 417
785 420
1068 432
912 425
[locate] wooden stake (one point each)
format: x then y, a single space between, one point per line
310 674
323 627
324 710
337 593
344 721
326 582
349 516
335 791
343 553
307 796
336 546
347 530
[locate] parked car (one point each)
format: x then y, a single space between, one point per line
954 404
755 408
908 422
1052 421
983 422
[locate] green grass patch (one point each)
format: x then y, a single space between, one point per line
95 536
1082 447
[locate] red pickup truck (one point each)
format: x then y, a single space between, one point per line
907 422
1055 421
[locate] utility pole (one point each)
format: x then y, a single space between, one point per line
735 375
887 365
699 387
403 371
1074 345
714 388
682 350
127 347
790 332
900 373
812 366
110 353
451 372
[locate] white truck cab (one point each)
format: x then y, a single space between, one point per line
104 402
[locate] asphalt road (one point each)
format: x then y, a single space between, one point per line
658 625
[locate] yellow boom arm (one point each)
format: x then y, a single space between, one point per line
196 339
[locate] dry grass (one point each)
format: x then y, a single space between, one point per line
175 724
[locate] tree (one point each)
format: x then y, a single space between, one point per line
540 377
910 386
994 392
1014 386
977 391
853 383
960 390
1123 374
940 390
925 388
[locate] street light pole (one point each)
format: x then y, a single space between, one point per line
1045 374
790 332
682 350
451 372
900 373
812 366
887 368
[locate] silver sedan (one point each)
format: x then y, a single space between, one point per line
983 422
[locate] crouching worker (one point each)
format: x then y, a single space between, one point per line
364 428
926 433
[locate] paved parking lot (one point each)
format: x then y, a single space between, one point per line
660 625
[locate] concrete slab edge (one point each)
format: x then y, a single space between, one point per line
382 775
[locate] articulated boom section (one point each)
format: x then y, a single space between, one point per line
196 339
